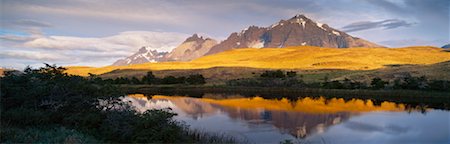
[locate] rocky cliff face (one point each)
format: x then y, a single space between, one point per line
144 55
296 31
192 48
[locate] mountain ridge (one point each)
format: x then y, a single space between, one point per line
296 31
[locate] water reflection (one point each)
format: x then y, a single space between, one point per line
273 120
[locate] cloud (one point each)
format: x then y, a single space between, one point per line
15 38
32 23
385 24
125 41
31 55
25 23
92 51
414 42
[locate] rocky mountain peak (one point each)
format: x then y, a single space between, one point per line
194 37
296 31
192 48
145 54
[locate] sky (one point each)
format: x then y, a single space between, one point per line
99 32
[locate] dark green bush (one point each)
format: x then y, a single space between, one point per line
47 103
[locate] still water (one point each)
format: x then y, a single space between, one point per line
305 120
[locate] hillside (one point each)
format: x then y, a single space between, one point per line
301 57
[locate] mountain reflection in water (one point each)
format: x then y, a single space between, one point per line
266 120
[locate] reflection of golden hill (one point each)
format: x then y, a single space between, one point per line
191 106
141 96
307 105
302 57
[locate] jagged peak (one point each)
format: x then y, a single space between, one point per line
147 49
197 37
299 16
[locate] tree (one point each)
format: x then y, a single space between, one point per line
169 80
195 79
134 80
273 74
377 83
149 78
291 73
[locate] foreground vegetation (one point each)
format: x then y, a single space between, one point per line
47 105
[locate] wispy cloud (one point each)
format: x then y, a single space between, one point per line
31 55
414 42
125 41
31 23
385 24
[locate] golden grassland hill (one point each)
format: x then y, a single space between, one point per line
300 58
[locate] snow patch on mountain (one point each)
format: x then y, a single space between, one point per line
336 33
300 21
257 44
320 26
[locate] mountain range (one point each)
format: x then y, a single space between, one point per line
296 31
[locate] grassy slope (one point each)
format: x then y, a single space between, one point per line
300 58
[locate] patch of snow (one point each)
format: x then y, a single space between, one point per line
146 56
281 45
300 21
277 24
238 43
303 43
258 44
320 25
336 33
149 53
242 32
128 61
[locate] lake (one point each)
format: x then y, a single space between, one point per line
305 119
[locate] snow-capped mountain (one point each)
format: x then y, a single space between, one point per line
192 48
299 30
144 55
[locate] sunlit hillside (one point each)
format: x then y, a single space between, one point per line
301 57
